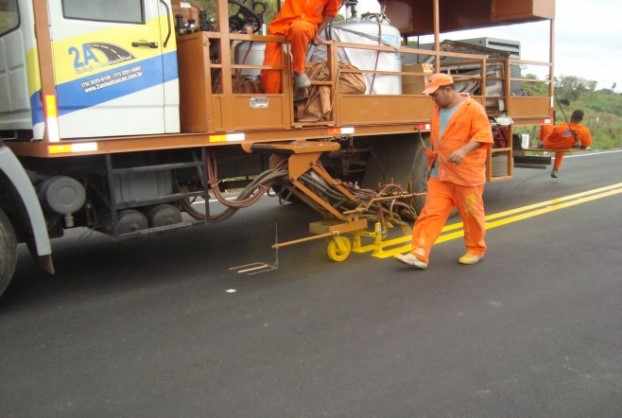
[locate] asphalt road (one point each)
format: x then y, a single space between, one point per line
146 328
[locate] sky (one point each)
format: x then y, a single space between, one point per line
588 39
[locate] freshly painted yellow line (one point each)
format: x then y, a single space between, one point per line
494 221
492 217
537 212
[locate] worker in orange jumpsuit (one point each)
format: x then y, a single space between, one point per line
461 136
299 21
564 137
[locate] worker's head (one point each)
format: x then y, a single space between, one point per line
577 116
441 89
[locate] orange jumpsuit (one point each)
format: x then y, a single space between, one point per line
298 21
563 137
457 185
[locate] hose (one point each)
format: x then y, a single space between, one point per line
249 195
388 212
322 187
258 187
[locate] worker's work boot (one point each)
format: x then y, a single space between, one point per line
555 173
302 81
412 260
469 259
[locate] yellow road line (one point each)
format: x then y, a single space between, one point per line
500 219
531 214
556 201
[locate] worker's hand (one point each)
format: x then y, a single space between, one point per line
430 153
457 156
430 156
320 41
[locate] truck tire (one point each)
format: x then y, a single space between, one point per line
8 251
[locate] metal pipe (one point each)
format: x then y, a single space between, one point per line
484 80
154 168
111 190
437 35
303 240
418 46
226 60
552 61
508 84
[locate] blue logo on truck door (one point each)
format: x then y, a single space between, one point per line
115 83
93 56
94 73
85 59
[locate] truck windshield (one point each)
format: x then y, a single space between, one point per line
9 16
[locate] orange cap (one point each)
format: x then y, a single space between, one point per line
436 81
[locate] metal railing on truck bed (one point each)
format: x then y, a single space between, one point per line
225 117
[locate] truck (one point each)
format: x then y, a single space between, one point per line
132 117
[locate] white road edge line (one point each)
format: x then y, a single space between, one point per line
590 154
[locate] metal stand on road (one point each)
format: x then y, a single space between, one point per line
253 269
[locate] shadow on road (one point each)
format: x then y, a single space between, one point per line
90 264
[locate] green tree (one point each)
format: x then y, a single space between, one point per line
571 88
539 88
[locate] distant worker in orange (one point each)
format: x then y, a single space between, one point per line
461 136
300 21
564 137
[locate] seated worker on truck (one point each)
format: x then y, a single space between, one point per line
564 137
300 21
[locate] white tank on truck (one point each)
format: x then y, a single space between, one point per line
370 29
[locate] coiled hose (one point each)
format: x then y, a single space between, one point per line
248 197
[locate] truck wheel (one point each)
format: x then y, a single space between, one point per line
8 251
419 178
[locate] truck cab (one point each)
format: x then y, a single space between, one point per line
114 66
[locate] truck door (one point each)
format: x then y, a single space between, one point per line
14 94
115 67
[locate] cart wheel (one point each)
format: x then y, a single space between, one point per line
339 249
